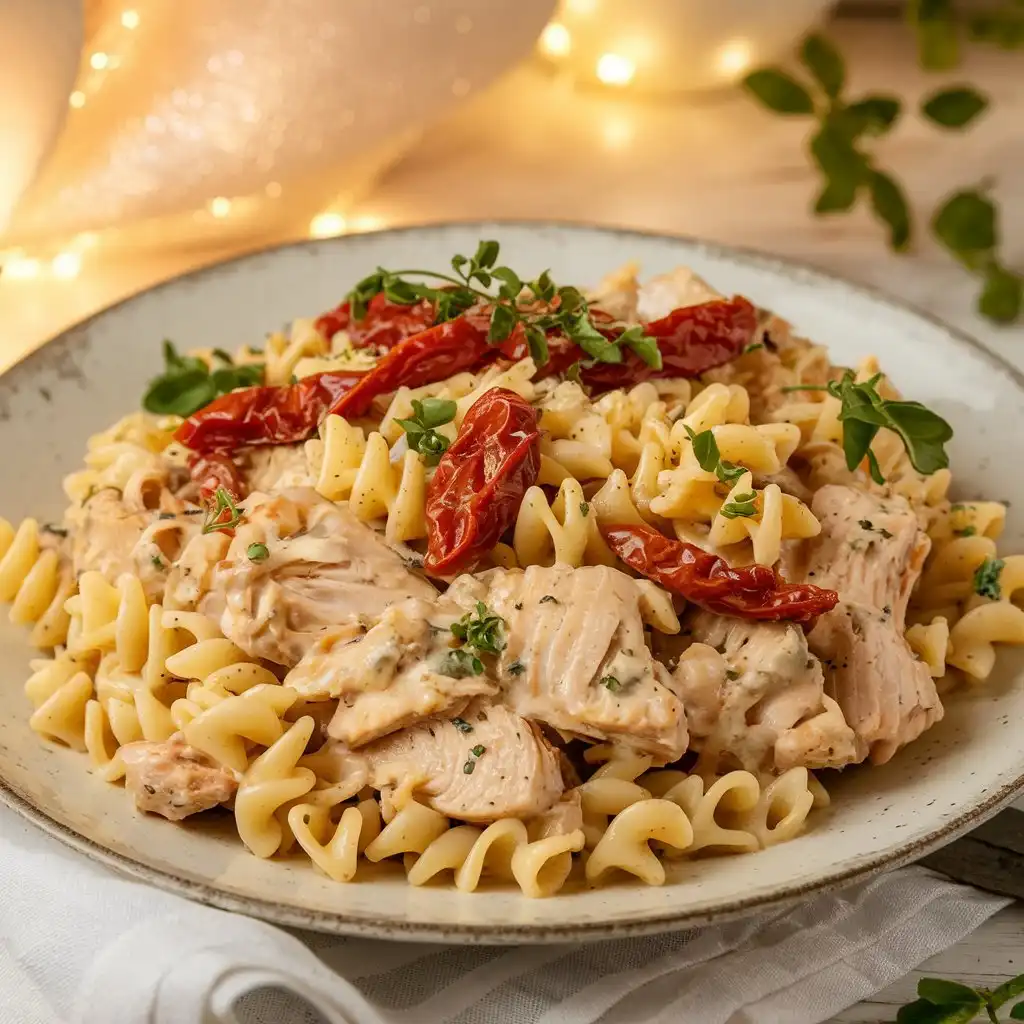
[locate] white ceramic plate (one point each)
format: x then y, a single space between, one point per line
958 774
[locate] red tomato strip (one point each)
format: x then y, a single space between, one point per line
424 358
265 415
479 483
385 324
747 592
216 470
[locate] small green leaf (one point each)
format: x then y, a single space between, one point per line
1002 298
946 993
837 196
1017 1013
955 107
1009 990
890 206
486 253
610 683
966 224
844 168
874 114
537 341
923 1012
434 412
257 552
825 62
503 322
779 91
645 347
179 394
986 578
511 286
742 506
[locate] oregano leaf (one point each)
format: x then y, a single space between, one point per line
890 205
825 63
1002 297
955 107
966 225
875 115
779 91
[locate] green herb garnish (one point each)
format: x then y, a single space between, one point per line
461 663
420 429
563 309
867 525
584 509
222 514
257 552
474 754
549 599
949 1002
158 562
610 683
516 668
462 725
864 412
967 531
482 633
187 383
705 451
986 578
741 507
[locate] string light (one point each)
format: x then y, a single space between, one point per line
77 99
220 206
99 60
66 265
555 40
130 19
734 58
20 268
325 225
614 69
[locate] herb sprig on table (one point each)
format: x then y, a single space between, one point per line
949 1002
966 223
479 280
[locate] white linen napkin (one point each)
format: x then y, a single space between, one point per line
80 944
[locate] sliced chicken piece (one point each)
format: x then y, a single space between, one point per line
298 566
174 779
115 534
275 467
617 293
760 705
576 656
871 551
485 765
565 817
400 672
666 292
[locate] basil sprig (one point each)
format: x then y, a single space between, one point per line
420 431
188 383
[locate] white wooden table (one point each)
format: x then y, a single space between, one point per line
716 167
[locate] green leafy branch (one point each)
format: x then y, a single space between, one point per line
949 1002
940 30
967 222
548 307
188 382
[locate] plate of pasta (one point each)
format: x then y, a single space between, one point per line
523 596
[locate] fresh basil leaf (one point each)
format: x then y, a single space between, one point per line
956 107
742 506
593 342
543 288
1009 990
1017 1013
857 438
503 323
825 63
923 1012
179 394
946 993
1002 298
875 115
570 299
966 225
779 91
890 206
833 151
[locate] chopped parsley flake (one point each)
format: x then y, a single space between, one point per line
610 683
549 599
257 552
516 668
461 663
462 725
967 531
731 674
866 524
482 633
158 562
986 578
584 508
477 750
743 505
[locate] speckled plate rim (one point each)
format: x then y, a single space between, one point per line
369 927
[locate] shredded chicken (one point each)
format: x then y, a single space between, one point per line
871 551
401 671
576 657
760 703
174 779
277 467
298 567
487 764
